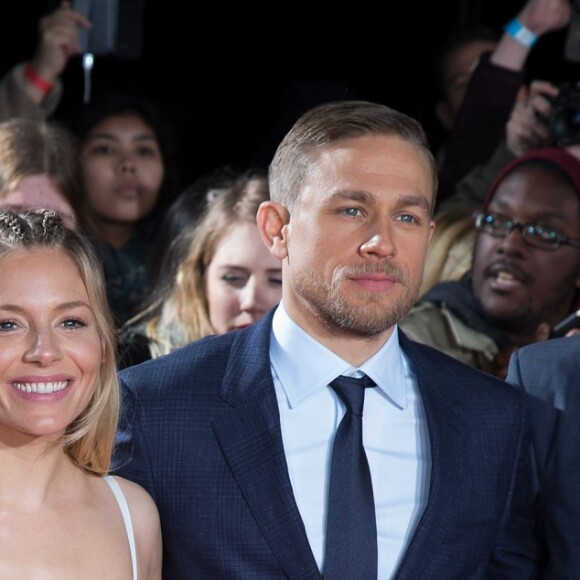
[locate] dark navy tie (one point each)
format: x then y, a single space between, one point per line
351 528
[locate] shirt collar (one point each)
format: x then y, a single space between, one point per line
303 365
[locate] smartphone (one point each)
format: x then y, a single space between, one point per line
571 321
118 27
103 14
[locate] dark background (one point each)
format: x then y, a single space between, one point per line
232 79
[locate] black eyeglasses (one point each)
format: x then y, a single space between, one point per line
537 235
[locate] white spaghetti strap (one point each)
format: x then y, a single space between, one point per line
122 501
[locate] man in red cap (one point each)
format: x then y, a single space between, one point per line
526 267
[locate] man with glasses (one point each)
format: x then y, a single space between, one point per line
526 267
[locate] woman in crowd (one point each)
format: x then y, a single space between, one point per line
62 515
219 274
40 168
129 179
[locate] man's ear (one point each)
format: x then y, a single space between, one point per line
273 222
432 228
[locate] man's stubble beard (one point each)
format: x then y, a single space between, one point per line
366 316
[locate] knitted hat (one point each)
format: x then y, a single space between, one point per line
559 157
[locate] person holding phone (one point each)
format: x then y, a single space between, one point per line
33 89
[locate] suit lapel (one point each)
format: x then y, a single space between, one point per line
251 441
447 430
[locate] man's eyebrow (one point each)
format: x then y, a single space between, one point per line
350 195
405 200
415 200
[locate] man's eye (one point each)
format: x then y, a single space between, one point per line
408 218
6 325
546 232
352 211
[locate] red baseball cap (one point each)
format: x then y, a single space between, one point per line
559 157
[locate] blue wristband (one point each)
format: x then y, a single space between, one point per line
520 33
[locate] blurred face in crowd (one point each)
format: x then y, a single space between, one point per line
458 68
123 169
243 280
38 191
50 349
520 285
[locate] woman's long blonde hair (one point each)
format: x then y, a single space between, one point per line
90 438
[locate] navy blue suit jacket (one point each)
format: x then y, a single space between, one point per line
549 372
201 432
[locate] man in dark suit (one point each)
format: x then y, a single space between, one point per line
548 371
233 435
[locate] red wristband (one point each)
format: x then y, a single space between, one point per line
34 78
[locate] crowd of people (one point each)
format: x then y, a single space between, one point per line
339 365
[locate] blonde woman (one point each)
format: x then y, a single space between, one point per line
61 515
218 274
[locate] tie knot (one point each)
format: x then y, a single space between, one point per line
352 391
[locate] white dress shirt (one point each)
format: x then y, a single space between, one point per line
394 434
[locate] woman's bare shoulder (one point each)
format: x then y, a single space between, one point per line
146 527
